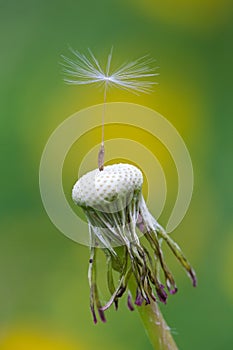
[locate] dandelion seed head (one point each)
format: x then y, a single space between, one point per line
108 187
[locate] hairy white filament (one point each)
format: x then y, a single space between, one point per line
131 76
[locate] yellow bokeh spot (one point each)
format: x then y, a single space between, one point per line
196 14
26 339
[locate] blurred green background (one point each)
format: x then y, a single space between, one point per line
44 293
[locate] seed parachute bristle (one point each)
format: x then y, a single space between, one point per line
133 76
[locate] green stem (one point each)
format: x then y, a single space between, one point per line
156 327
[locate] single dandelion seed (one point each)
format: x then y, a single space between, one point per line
116 212
131 76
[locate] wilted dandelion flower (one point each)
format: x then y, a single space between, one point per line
111 198
116 211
